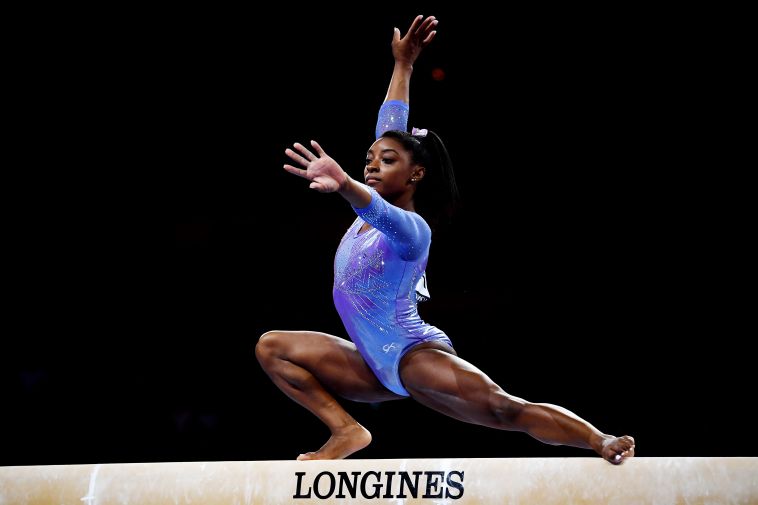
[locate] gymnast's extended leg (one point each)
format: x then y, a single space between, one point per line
437 378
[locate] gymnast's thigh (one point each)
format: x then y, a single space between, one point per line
335 362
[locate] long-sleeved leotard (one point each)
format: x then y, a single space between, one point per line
375 276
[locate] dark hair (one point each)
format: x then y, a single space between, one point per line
436 197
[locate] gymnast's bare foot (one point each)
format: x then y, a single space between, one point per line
341 445
617 449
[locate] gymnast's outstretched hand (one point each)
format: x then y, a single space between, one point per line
418 36
325 174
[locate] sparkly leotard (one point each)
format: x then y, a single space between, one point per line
376 273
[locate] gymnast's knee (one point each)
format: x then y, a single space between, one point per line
270 345
508 410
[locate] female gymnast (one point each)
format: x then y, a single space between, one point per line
378 281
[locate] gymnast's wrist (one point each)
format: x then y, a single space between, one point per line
404 65
346 185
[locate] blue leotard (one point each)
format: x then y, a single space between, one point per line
376 273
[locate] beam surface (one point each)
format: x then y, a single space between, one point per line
544 481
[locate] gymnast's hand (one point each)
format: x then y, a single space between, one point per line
325 174
418 36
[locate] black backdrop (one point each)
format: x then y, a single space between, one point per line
588 267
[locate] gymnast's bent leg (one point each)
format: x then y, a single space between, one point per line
437 378
310 367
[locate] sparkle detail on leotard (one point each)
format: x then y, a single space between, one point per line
392 116
363 283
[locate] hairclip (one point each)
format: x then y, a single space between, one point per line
419 132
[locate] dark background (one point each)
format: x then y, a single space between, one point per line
593 265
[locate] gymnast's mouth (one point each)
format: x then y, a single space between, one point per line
372 179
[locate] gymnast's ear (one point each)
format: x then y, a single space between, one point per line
418 173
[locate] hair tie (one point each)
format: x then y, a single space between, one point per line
419 132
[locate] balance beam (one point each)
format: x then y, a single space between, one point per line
544 481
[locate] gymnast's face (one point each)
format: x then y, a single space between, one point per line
390 169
